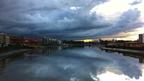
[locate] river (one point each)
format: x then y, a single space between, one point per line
71 64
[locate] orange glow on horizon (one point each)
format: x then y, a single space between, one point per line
134 34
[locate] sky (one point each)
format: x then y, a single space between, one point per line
73 19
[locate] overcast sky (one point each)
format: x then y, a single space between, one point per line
72 19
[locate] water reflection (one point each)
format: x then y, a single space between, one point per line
138 56
3 64
77 64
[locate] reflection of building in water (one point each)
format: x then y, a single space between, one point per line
135 55
141 58
42 52
3 64
51 50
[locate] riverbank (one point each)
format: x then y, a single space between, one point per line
11 48
14 52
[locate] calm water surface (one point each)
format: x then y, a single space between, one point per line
75 64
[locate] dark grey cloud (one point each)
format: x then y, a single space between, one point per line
127 21
65 19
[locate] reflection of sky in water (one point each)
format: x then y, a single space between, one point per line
75 65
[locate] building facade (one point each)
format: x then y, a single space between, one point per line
23 41
141 38
4 40
50 41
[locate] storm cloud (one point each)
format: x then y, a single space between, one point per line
69 19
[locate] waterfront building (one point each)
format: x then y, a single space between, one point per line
16 41
50 41
4 40
141 38
23 41
30 42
